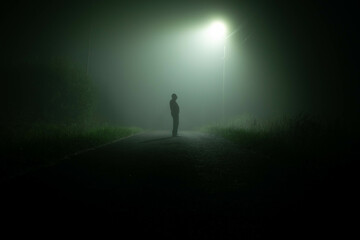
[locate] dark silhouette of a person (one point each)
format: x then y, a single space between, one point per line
175 110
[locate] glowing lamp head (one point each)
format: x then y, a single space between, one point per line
217 31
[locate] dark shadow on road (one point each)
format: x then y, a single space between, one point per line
157 140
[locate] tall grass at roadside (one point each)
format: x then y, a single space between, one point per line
285 139
24 147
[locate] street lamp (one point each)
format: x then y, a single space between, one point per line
218 32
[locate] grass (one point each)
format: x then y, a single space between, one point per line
25 147
307 173
306 141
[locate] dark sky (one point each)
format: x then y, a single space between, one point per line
301 55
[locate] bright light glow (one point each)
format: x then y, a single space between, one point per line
217 31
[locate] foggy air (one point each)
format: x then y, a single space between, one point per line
184 119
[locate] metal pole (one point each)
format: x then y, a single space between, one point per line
224 59
89 51
88 58
223 84
89 36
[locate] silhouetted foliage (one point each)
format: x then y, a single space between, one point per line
56 92
312 141
29 146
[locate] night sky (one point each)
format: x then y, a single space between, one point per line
300 55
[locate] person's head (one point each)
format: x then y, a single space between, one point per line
173 96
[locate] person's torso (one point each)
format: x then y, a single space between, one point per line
174 107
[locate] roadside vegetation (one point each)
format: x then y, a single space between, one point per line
304 168
311 145
27 147
49 111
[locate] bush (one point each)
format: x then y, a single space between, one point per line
312 140
28 147
56 92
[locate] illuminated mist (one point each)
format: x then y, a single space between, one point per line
280 61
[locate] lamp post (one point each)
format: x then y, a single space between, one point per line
217 31
223 83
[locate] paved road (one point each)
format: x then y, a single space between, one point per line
194 185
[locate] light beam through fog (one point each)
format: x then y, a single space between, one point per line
159 63
138 55
138 67
88 129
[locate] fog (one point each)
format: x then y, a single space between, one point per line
284 58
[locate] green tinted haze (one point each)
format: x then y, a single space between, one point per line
139 53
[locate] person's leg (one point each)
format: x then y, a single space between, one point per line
176 125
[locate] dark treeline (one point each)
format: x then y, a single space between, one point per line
49 110
55 92
301 57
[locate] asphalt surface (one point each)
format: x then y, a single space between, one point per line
191 186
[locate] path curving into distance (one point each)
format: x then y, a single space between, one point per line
194 185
